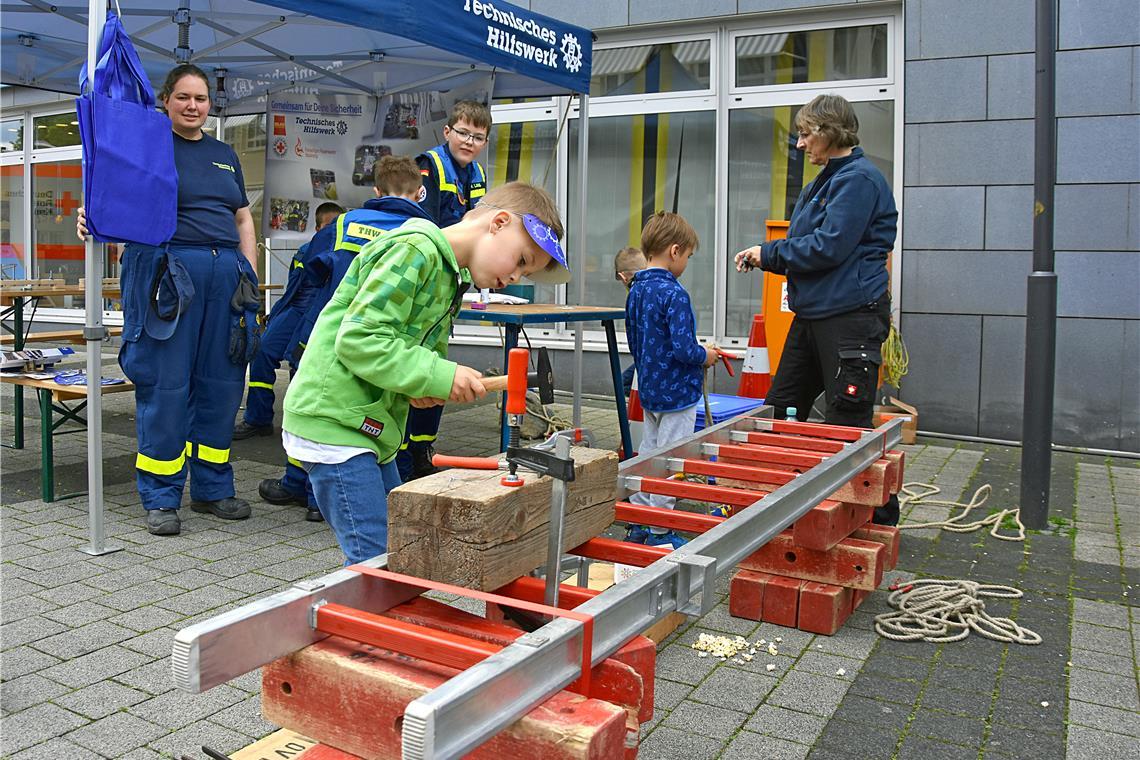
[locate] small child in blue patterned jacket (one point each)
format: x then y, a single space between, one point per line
662 333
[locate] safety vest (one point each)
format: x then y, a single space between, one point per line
455 200
359 227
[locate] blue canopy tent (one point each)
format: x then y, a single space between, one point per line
372 47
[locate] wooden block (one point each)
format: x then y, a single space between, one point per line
746 594
781 600
283 744
463 527
899 458
826 524
352 696
870 487
823 607
857 597
851 562
887 535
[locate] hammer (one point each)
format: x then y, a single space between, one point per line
542 379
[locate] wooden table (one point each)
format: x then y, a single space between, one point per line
514 316
15 297
54 399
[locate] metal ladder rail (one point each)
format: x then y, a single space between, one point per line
479 702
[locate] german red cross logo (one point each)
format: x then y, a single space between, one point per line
852 390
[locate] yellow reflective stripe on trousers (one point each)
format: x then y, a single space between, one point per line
160 466
210 454
294 462
421 438
267 386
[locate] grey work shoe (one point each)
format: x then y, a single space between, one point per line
244 430
272 491
230 508
314 515
163 522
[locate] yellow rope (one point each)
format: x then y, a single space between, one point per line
895 357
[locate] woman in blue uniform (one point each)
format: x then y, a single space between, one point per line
188 310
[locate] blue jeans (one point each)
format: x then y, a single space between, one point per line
353 498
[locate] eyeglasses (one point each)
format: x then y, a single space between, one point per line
471 137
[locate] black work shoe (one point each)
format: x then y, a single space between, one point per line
272 491
421 462
244 430
230 508
888 514
314 515
163 522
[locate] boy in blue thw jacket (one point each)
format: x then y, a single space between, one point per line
662 334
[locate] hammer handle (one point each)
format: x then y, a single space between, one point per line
494 383
466 463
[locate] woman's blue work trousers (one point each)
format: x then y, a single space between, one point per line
187 389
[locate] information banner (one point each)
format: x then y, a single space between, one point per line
323 147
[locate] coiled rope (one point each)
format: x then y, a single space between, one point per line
941 611
895 357
909 495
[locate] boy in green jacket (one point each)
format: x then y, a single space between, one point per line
380 345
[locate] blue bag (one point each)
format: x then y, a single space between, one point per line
130 184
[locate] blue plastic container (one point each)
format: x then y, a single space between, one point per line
725 407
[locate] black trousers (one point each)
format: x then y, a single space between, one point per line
838 356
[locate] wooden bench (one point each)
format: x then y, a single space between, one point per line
57 336
54 400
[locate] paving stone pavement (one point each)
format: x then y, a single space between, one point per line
85 641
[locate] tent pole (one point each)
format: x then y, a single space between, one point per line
581 243
93 333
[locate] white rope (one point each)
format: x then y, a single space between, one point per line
942 611
908 495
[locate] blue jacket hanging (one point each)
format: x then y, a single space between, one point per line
130 184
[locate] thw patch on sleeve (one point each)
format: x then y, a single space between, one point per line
421 195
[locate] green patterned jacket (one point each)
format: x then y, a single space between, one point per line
381 340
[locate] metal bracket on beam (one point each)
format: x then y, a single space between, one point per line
94 333
702 570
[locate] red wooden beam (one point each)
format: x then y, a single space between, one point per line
610 550
658 517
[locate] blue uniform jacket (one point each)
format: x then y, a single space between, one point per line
662 334
326 266
835 254
298 289
450 191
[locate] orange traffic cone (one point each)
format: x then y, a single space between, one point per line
755 375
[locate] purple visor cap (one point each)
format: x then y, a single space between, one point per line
544 238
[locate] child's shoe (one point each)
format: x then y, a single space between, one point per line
670 539
636 534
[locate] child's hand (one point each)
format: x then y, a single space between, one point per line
466 386
426 402
748 259
81 223
711 356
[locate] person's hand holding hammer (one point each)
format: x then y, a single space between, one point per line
466 386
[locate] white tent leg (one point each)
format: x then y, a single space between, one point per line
93 332
581 243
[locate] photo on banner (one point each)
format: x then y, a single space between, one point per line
324 147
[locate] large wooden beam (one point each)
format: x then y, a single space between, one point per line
464 527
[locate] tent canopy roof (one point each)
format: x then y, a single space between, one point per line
365 46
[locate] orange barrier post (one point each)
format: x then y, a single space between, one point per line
755 376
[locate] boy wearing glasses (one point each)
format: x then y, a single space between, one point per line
453 182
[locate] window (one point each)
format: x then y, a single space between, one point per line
766 174
638 165
59 130
11 135
644 69
819 55
12 222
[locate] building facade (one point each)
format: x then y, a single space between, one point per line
691 110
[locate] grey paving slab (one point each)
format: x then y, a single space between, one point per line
57 749
95 666
1111 690
19 661
666 743
1100 613
116 734
101 699
35 725
153 677
918 748
734 690
145 619
807 692
709 721
783 723
1098 638
177 709
84 639
20 693
1086 742
1102 718
749 746
244 718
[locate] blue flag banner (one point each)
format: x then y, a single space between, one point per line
494 33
